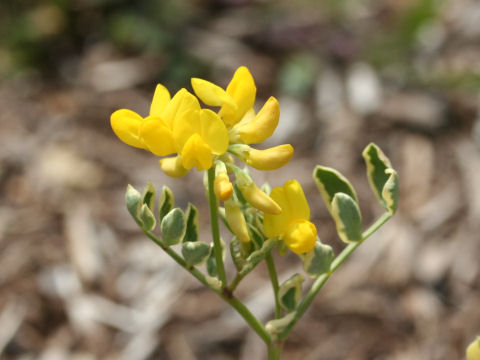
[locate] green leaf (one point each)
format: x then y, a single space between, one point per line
277 326
192 231
255 236
377 164
132 198
347 217
390 191
329 182
317 261
256 256
166 202
211 263
148 196
173 227
238 253
290 291
147 217
195 253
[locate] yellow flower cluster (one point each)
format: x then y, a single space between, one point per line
186 135
178 125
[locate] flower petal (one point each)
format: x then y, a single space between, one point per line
243 91
297 202
161 98
263 125
126 125
185 126
157 136
213 131
211 94
181 102
276 225
173 167
301 236
196 152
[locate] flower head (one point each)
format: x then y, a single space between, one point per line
244 125
293 225
175 125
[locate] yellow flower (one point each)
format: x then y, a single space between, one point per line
254 129
254 196
199 134
222 186
473 350
268 159
245 126
235 101
293 225
175 125
236 220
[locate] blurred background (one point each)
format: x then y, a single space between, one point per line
77 278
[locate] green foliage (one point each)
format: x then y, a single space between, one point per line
318 261
329 182
196 253
290 292
382 178
193 229
173 227
165 203
148 196
347 217
147 217
133 201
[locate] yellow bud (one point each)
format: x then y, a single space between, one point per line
301 236
473 350
262 126
268 159
223 187
236 220
173 166
256 197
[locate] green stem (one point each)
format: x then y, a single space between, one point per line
180 261
275 350
254 323
226 295
322 279
233 285
272 271
217 246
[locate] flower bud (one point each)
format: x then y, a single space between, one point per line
222 186
236 220
256 197
261 127
268 159
173 166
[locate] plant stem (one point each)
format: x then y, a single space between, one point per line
272 271
322 279
275 350
217 246
180 261
254 323
227 296
233 285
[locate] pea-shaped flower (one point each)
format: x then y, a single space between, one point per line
244 125
175 125
293 225
199 134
